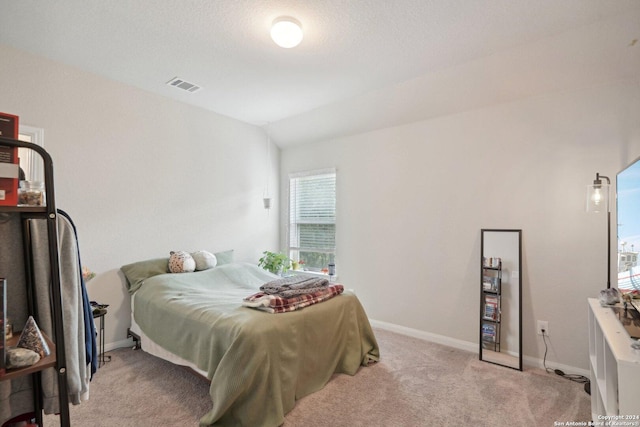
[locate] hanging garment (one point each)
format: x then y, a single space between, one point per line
16 395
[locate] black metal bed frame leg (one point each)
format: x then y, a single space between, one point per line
136 339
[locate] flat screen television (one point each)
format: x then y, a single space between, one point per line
628 226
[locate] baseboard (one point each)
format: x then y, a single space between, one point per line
427 336
538 363
118 344
470 346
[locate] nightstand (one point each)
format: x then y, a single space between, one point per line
100 313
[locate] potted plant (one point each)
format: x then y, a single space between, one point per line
276 263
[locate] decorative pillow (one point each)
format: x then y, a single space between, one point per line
181 262
225 257
204 260
138 272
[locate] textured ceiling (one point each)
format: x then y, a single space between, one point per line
363 64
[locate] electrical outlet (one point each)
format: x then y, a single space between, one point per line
543 324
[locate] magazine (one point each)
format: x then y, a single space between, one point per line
488 332
491 309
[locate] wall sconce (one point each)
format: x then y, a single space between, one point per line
598 195
266 197
597 202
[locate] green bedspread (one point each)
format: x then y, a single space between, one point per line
258 363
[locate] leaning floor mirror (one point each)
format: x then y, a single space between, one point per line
501 297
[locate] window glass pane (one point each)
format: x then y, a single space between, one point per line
312 217
317 236
316 261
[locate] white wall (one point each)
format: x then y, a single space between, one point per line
412 200
142 175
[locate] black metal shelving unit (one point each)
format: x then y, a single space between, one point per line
490 302
49 213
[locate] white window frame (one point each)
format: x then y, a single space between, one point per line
290 248
30 160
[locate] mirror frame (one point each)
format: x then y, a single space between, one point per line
482 241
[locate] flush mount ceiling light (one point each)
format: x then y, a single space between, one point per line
286 32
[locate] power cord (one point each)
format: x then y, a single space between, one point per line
571 377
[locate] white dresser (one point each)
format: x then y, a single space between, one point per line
615 367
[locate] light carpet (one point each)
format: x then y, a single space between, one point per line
416 383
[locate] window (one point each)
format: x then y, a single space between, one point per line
30 161
312 218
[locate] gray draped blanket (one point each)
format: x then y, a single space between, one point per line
295 285
16 395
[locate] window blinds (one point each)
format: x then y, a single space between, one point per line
312 212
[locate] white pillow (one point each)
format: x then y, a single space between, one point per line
181 262
204 260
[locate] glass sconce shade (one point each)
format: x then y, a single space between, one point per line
597 198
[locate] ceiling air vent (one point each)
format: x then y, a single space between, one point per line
181 84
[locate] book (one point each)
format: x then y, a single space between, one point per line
9 155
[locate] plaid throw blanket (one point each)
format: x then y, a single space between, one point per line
276 304
295 285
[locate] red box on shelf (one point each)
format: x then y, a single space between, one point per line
9 156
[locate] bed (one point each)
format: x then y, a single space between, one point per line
258 363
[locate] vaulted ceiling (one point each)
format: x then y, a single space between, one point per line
362 65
